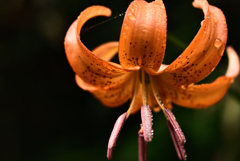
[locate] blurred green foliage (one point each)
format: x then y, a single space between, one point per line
44 116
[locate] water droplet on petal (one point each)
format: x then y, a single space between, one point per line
125 26
212 69
208 15
183 87
146 114
131 16
218 43
215 19
202 22
156 109
124 35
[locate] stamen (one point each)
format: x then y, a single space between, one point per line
136 87
142 146
115 133
146 115
145 83
174 128
181 152
175 125
157 97
176 134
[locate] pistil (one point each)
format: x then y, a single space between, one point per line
173 126
145 83
142 146
136 89
146 112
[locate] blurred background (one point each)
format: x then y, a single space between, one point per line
44 116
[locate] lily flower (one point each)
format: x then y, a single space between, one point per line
141 76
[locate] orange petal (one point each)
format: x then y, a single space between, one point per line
106 51
204 52
143 36
195 96
92 69
112 97
200 96
233 61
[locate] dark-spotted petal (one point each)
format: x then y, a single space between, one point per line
143 36
199 96
204 52
92 69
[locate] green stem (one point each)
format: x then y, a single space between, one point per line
176 41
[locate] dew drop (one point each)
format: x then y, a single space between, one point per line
131 16
124 35
202 22
183 87
208 15
156 109
146 114
125 26
212 69
215 19
218 43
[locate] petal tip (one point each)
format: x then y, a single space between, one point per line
233 63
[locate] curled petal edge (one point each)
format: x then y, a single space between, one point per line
204 95
204 52
92 69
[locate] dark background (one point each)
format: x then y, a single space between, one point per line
44 116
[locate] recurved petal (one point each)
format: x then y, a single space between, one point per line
195 96
233 63
143 36
205 51
200 96
106 51
92 69
111 97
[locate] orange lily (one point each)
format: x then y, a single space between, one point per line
141 76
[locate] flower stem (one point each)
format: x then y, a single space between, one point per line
142 147
176 41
